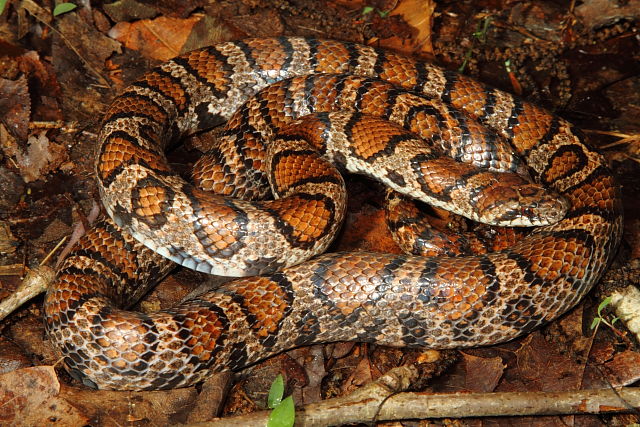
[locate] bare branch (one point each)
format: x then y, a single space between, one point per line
381 401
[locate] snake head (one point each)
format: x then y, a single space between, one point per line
522 205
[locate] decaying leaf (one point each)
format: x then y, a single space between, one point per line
15 106
29 397
42 157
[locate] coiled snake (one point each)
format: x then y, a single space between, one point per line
398 300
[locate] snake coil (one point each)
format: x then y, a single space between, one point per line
397 300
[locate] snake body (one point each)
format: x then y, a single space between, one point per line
398 300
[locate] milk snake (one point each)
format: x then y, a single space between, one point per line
396 300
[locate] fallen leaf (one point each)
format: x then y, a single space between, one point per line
313 362
598 13
340 349
541 366
128 10
570 337
12 357
42 157
263 23
624 369
43 83
155 408
418 14
209 31
80 41
161 38
212 396
29 397
482 373
15 106
362 374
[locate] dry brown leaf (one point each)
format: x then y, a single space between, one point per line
118 408
598 13
77 40
362 374
483 373
42 157
624 369
32 65
313 362
263 23
12 357
367 229
15 106
29 397
161 38
419 15
126 10
541 366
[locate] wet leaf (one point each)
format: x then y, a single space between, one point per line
276 392
283 415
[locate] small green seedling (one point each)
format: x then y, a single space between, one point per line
283 413
368 9
481 35
600 318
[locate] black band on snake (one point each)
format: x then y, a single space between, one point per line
396 300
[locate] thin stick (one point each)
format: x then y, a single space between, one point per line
44 261
380 401
36 282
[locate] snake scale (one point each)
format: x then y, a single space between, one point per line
390 299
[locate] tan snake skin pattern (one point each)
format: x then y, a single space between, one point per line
397 300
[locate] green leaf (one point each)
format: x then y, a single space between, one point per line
284 415
384 14
367 10
63 8
595 322
3 3
276 391
507 65
605 302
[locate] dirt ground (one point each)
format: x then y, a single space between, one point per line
58 74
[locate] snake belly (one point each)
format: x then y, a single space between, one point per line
397 300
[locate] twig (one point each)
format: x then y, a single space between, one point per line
36 282
522 31
44 261
11 269
624 138
380 401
